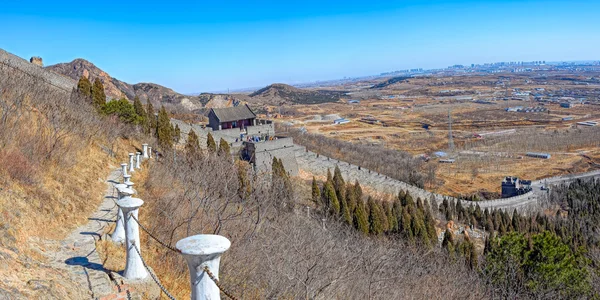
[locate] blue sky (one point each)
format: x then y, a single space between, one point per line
215 45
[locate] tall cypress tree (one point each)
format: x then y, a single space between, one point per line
192 145
224 148
345 211
210 143
375 221
152 121
84 87
98 95
331 199
361 219
140 112
339 184
316 191
163 130
391 219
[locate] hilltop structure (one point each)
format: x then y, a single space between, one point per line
255 140
240 116
513 186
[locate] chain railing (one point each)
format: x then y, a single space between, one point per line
129 207
156 280
216 281
153 237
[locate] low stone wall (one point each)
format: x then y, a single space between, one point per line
61 82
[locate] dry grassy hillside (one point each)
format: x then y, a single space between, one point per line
55 153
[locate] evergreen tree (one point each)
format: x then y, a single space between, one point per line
211 145
152 122
98 95
84 87
121 108
140 111
329 177
351 197
339 184
192 145
391 218
358 191
375 221
361 219
163 130
345 211
448 242
225 150
316 191
331 200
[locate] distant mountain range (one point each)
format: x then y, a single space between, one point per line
278 93
275 94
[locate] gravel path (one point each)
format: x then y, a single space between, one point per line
77 255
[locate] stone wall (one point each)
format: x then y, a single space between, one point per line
10 60
318 165
262 154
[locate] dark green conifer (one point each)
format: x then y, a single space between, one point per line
316 191
163 130
375 221
224 148
211 145
98 95
361 218
84 87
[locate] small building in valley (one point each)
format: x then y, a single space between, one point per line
231 117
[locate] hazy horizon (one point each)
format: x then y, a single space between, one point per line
194 48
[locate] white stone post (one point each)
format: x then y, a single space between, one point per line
130 186
145 151
131 170
118 235
124 168
201 251
138 158
150 151
126 178
134 267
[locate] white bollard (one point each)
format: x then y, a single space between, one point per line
145 151
134 267
138 158
201 251
150 151
118 235
124 168
126 178
130 185
131 170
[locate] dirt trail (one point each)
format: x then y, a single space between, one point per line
76 255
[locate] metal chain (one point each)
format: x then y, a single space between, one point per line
153 237
164 290
216 281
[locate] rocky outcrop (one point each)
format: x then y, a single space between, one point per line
158 95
